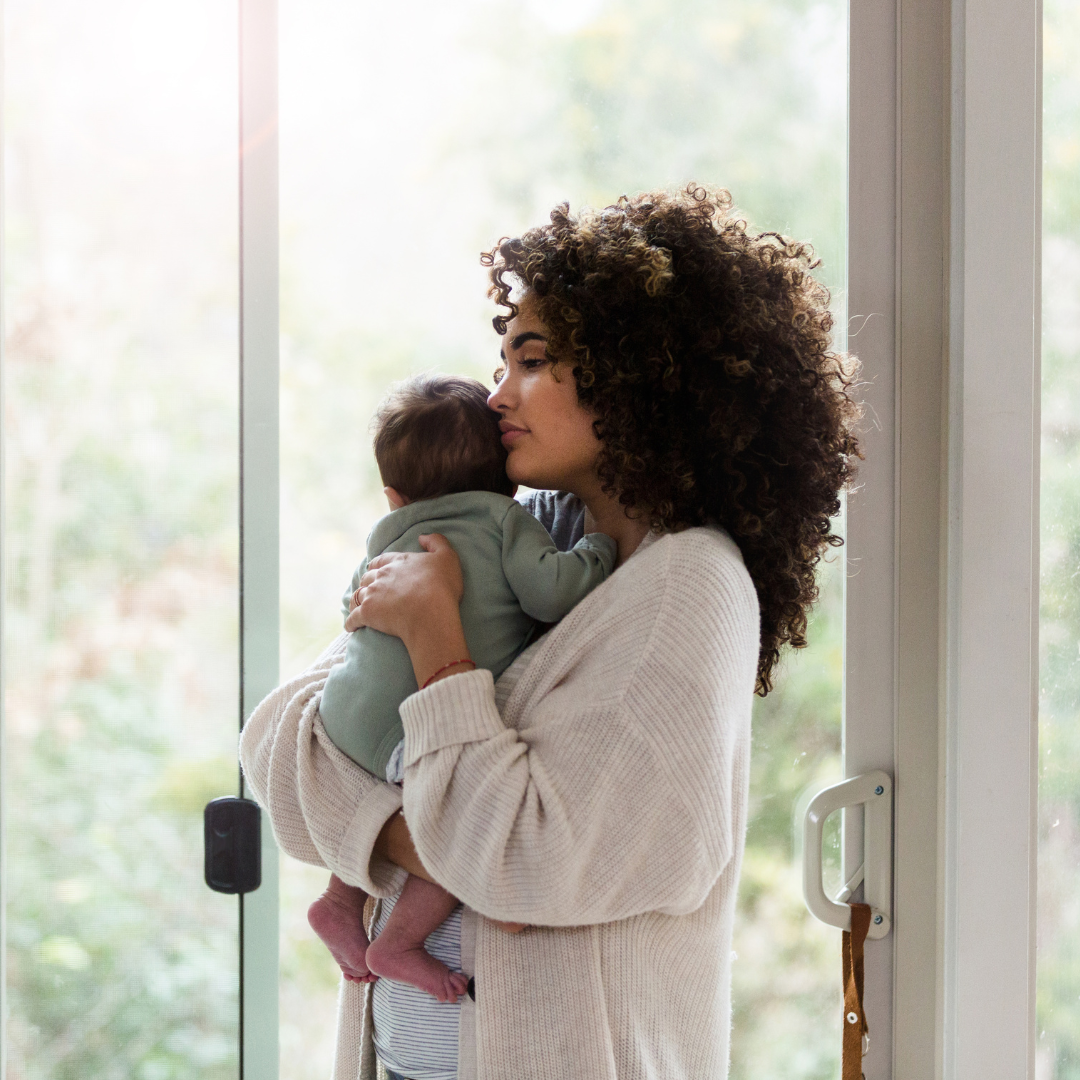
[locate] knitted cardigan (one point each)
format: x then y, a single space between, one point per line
605 806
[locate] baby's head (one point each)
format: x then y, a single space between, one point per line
435 435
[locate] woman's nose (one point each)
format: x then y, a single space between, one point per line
497 399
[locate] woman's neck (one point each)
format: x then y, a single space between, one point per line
604 513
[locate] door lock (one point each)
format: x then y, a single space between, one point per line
232 845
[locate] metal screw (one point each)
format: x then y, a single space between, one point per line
878 920
879 790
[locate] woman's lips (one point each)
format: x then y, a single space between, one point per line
510 435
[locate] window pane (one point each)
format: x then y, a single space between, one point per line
1058 1048
120 608
411 140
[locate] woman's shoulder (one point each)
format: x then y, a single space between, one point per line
704 616
694 561
708 540
676 581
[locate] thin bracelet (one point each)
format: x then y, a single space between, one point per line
453 663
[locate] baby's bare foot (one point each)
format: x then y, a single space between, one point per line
416 966
340 925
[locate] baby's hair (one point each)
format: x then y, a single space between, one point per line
435 435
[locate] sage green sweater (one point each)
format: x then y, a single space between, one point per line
515 578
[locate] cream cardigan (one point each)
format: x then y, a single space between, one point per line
606 806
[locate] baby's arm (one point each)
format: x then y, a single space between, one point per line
546 581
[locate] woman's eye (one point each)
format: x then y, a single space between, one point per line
532 364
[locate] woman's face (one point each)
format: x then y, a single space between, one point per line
548 435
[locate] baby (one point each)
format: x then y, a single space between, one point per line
439 453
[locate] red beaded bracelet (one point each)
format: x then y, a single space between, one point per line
453 663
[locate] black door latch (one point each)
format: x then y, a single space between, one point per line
232 846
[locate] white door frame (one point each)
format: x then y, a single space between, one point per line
942 592
991 633
870 655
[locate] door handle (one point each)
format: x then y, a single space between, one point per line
873 791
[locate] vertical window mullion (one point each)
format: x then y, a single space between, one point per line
259 493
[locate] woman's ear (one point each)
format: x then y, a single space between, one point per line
395 498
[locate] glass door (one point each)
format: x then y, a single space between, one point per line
1058 1020
411 140
120 512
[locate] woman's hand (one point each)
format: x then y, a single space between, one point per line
399 589
416 596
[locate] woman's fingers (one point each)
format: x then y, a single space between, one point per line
375 590
354 621
386 558
434 542
399 590
444 563
355 618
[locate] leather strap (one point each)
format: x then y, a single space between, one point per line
854 1018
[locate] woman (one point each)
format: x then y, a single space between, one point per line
673 373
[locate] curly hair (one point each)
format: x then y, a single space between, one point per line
704 352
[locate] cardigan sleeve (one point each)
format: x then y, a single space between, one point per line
324 809
615 795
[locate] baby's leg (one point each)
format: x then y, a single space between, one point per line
338 918
399 953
